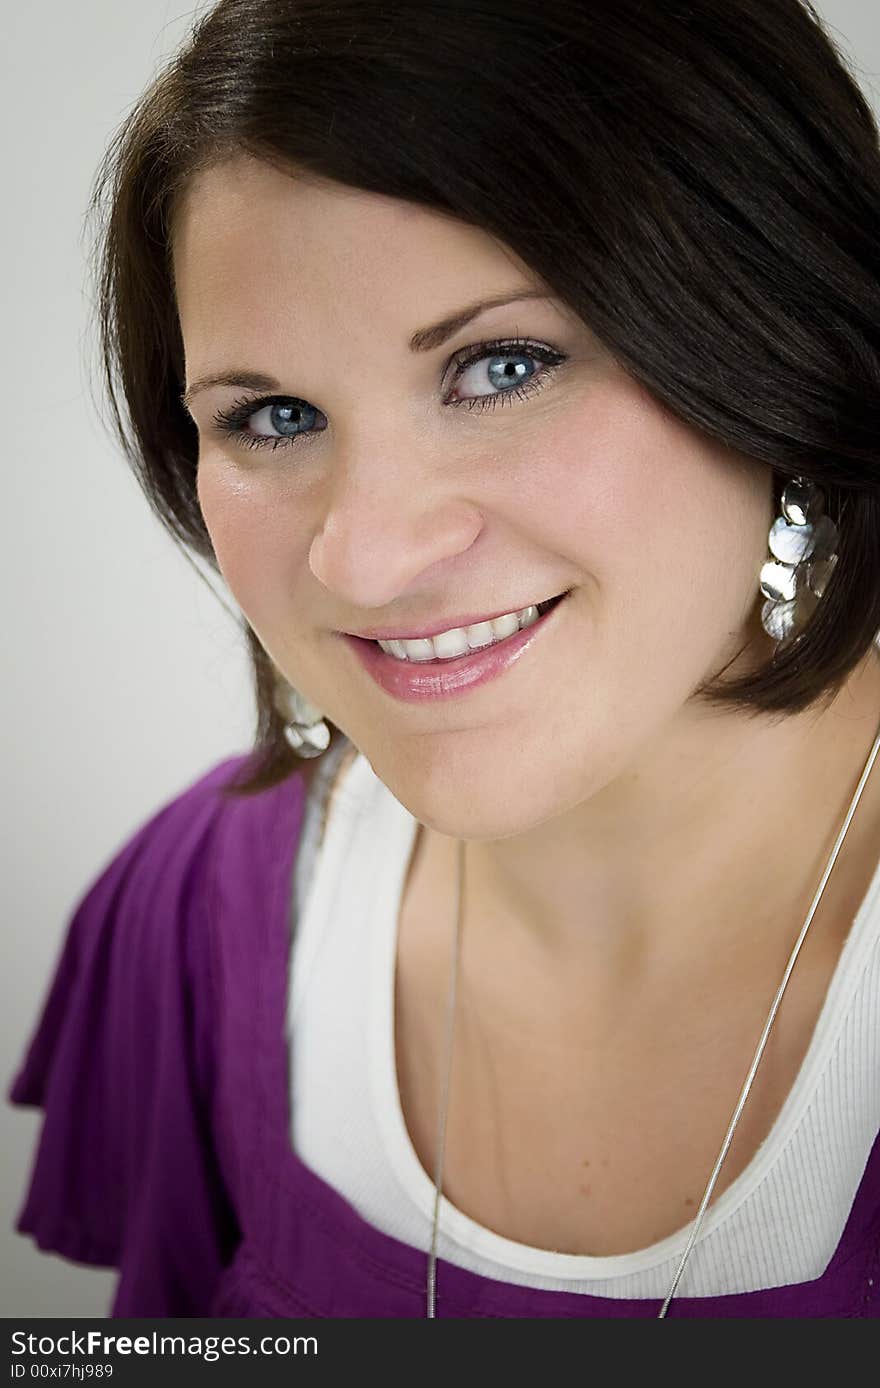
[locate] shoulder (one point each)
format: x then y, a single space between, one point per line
172 851
138 937
123 1058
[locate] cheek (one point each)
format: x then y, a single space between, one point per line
671 527
255 542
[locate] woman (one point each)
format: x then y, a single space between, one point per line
579 1015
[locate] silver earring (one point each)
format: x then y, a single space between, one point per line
305 729
803 546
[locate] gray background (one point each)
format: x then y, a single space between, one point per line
125 676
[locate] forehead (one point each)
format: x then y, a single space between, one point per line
246 232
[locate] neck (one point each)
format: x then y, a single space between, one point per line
715 839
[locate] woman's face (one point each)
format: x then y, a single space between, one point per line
394 505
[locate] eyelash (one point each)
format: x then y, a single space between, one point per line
229 421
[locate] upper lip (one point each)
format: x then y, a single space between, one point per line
440 624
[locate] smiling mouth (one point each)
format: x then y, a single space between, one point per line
542 608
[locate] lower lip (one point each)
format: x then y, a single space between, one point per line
422 680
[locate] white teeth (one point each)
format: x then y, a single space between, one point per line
461 639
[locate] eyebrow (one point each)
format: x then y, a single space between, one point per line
423 340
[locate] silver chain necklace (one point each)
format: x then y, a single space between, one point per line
710 1186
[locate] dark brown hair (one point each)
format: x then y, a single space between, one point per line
699 182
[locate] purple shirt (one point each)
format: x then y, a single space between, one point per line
160 1060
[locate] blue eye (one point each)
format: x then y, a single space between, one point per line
296 419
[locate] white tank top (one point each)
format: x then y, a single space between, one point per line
778 1223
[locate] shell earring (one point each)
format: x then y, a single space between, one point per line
305 728
803 549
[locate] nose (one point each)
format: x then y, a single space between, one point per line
389 535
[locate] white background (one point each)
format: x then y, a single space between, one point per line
125 677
